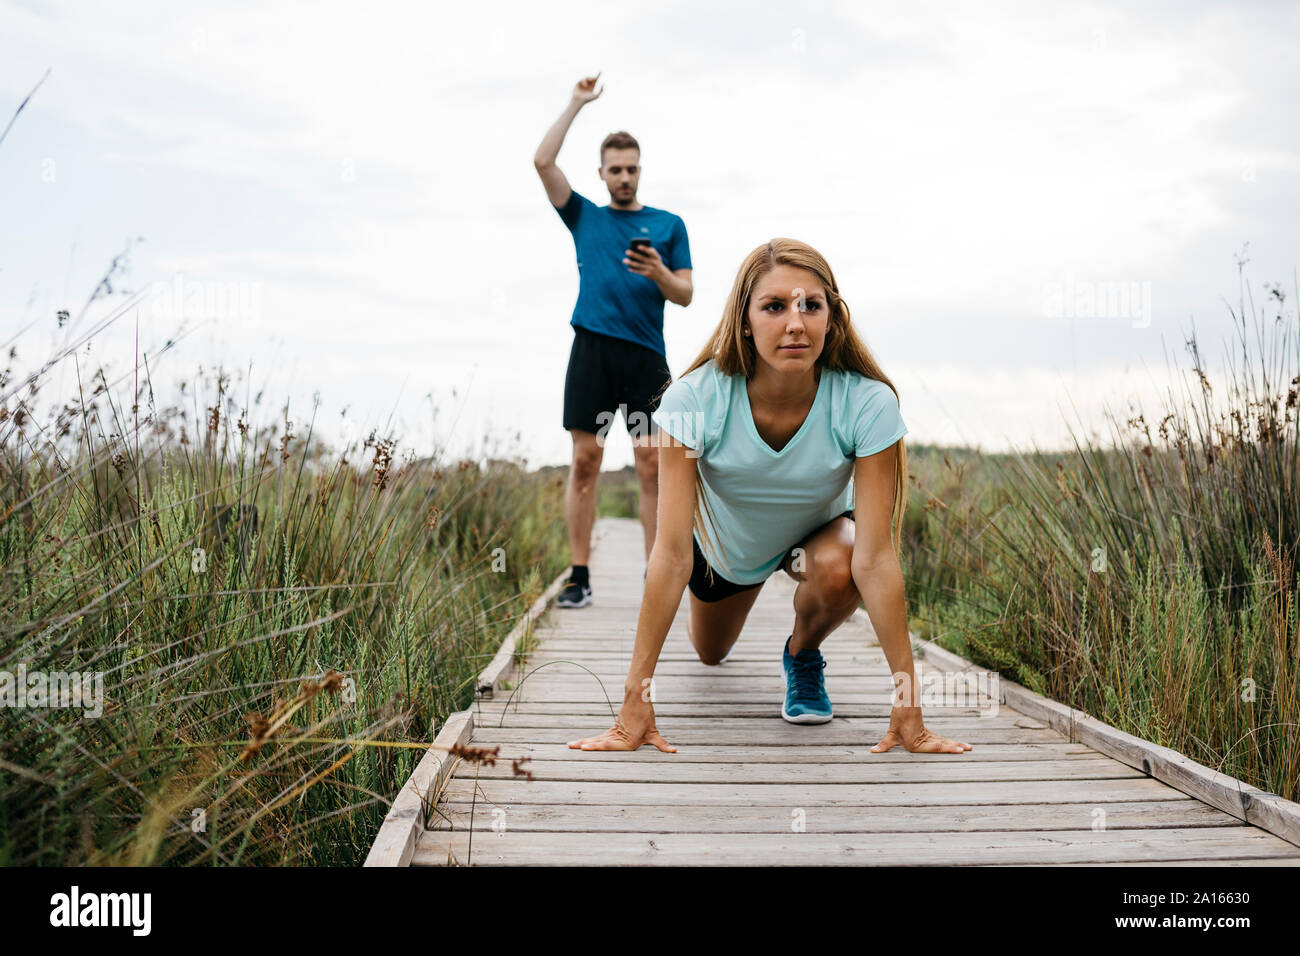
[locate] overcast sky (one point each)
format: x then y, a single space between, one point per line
363 176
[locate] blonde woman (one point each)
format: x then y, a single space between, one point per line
780 447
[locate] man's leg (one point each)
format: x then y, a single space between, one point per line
642 377
580 498
587 415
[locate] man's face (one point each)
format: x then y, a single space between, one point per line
788 307
621 171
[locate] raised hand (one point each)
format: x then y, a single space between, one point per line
906 728
582 92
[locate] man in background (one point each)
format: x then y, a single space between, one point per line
618 358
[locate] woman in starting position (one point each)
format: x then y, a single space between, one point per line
778 438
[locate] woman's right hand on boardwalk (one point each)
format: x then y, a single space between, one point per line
582 93
633 728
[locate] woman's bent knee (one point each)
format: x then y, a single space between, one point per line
832 576
706 657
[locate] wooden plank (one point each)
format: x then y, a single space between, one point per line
574 669
763 706
586 679
876 715
610 653
789 795
1098 767
513 746
612 636
689 734
665 685
1216 862
579 818
1272 812
515 848
609 657
764 725
406 818
772 698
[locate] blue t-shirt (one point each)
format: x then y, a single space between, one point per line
612 299
764 501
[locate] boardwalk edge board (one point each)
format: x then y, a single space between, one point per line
1268 811
395 843
502 666
407 817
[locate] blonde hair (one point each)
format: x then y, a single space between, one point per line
843 350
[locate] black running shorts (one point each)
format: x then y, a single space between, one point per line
606 373
714 588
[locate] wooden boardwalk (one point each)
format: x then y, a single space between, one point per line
745 787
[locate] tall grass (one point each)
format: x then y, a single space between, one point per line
278 626
1150 581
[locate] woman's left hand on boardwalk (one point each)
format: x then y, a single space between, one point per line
631 734
906 728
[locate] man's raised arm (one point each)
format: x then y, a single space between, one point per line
557 187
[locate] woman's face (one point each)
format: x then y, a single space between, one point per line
787 318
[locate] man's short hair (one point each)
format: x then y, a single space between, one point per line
620 140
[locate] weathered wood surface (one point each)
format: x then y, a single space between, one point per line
745 787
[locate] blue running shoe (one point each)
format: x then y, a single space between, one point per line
805 689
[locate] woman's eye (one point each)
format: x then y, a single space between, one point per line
809 307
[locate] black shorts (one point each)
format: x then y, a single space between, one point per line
606 373
715 587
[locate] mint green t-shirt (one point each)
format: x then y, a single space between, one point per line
767 500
